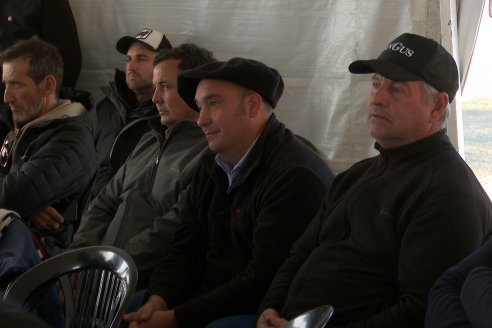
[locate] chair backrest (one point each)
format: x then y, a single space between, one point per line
314 318
97 284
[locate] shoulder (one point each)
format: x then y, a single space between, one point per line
287 151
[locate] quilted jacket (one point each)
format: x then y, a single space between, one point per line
52 161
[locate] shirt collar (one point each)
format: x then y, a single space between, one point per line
233 172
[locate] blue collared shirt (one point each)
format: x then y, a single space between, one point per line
232 172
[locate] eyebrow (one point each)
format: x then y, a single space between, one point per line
204 99
11 81
138 56
208 97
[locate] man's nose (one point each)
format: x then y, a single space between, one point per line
203 117
8 95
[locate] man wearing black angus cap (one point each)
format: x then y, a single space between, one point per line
249 200
393 223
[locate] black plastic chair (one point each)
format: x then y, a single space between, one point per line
315 318
96 284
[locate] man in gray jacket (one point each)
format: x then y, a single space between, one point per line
135 210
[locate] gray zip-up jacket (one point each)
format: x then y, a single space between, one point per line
135 210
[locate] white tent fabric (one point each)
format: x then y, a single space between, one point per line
310 42
468 22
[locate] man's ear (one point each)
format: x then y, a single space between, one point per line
441 103
48 85
253 103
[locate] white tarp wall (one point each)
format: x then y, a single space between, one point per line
311 43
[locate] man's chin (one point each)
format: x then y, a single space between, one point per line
137 85
132 86
164 121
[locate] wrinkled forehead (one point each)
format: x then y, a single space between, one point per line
376 77
210 89
166 71
15 69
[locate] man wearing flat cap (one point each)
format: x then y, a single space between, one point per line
393 223
122 116
248 201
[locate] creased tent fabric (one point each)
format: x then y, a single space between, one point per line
311 43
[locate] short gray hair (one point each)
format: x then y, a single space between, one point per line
429 93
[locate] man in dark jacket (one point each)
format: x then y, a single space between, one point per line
462 296
248 201
48 160
135 210
123 114
393 223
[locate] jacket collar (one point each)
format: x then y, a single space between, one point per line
63 110
260 153
423 148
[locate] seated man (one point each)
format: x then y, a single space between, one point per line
462 296
18 253
393 223
13 317
122 116
135 210
247 202
49 159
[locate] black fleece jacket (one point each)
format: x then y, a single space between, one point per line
388 228
233 243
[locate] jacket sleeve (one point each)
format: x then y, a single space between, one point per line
448 226
99 214
476 296
109 124
433 238
149 245
175 275
460 295
277 292
59 163
285 208
170 181
438 237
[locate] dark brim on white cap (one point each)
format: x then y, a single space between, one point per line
385 68
125 42
150 39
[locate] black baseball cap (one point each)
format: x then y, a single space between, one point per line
248 73
412 57
151 39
